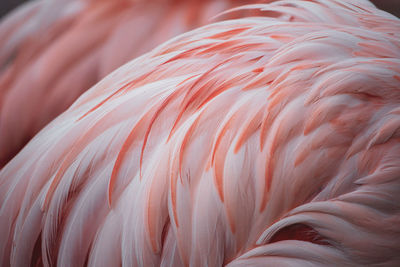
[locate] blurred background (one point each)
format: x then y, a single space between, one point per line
8 5
392 6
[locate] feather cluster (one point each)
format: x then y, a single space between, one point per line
270 140
53 51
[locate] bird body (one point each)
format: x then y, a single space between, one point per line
53 51
261 141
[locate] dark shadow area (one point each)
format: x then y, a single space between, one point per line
7 5
392 6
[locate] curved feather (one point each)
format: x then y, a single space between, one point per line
293 164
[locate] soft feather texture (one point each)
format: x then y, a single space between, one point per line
53 51
263 141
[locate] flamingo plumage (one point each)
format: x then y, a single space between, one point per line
53 51
261 141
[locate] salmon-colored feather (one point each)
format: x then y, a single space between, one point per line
56 50
269 140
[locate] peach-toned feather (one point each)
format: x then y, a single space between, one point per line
264 141
53 51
